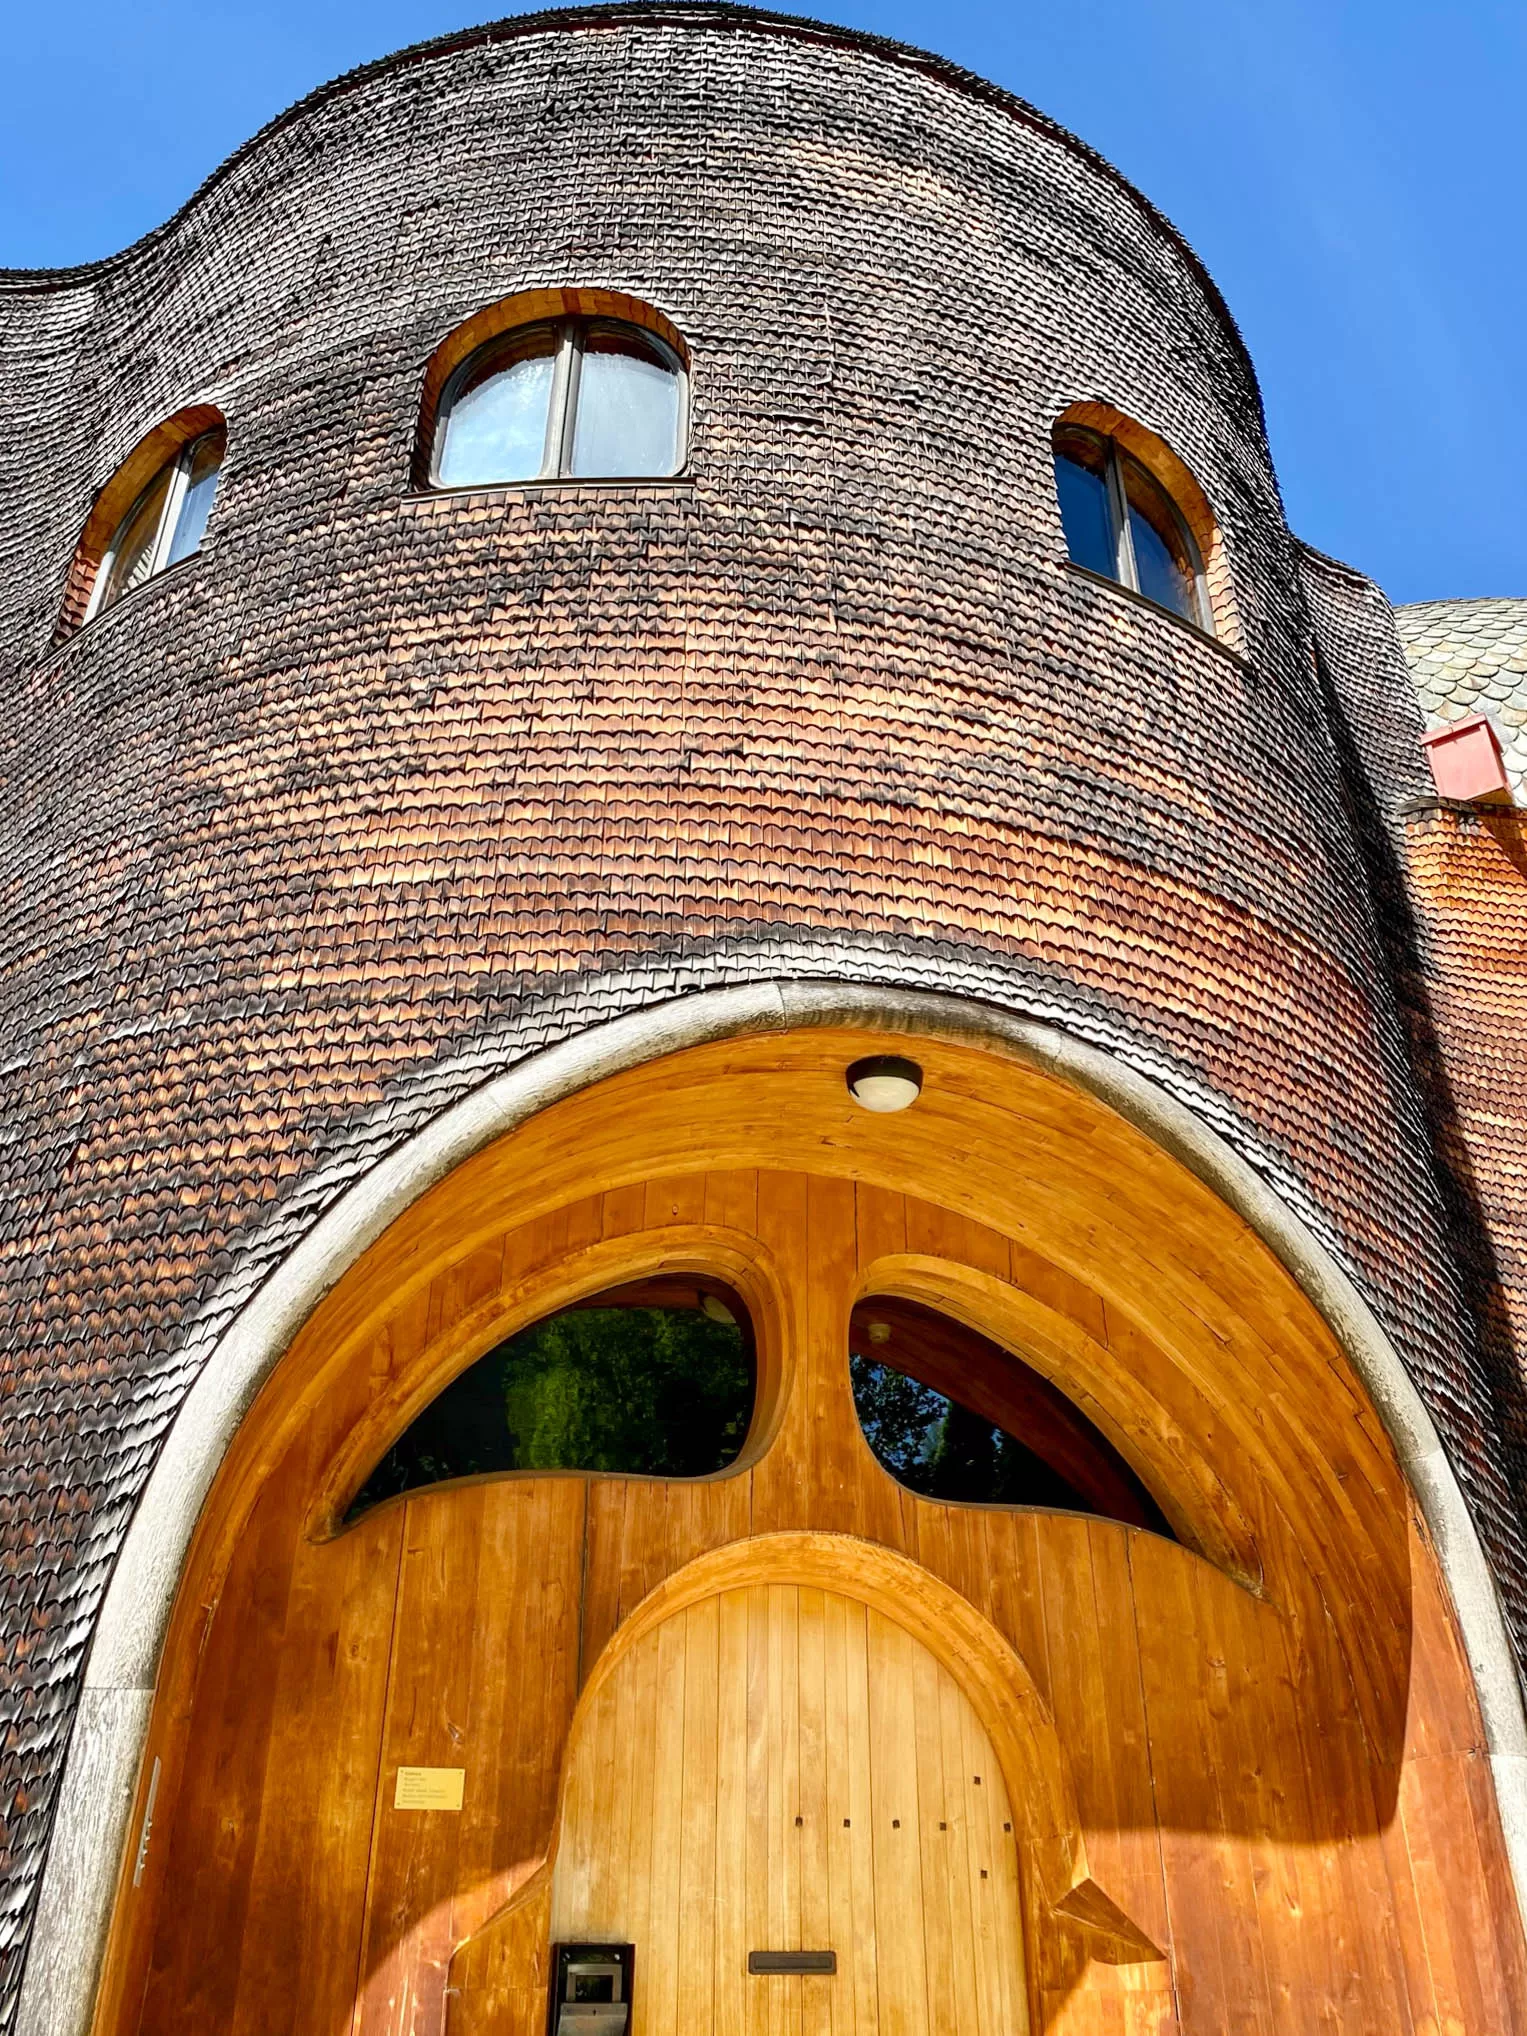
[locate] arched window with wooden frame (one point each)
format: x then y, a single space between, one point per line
954 1416
653 1378
152 514
1133 513
556 385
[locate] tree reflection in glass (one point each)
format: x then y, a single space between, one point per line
659 1384
952 1415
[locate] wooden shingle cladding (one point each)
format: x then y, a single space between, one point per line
381 794
1468 875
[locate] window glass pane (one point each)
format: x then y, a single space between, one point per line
655 1379
954 1416
133 545
1082 485
496 430
628 408
1163 559
196 503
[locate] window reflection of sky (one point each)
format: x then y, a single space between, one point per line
628 414
201 486
1161 578
1085 516
135 540
497 430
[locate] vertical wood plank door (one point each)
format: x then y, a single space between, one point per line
784 1769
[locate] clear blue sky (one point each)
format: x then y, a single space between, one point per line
1354 173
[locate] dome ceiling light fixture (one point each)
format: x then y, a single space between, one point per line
885 1082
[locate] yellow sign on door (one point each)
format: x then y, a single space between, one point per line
429 1788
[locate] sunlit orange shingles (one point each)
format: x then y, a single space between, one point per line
696 864
1469 872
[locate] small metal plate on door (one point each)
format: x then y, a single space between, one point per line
429 1788
792 1961
592 2018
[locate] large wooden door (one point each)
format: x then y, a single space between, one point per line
782 1769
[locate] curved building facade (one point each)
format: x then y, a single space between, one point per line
441 905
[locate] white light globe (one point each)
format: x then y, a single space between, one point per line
884 1083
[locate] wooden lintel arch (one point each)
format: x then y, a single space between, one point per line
152 452
502 1965
527 307
997 1679
1008 1193
1200 1505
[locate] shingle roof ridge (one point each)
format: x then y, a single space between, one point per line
610 13
1463 601
1336 565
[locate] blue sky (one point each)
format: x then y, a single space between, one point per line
1354 173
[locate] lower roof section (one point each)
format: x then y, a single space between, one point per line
1470 657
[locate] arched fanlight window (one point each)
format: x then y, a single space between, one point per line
655 1379
1120 522
952 1415
567 398
164 524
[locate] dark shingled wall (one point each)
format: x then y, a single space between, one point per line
379 793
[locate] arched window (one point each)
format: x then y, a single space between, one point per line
952 1415
564 398
1120 522
165 521
654 1379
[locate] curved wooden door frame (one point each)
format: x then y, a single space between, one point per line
1054 1877
601 1147
419 1247
92 1831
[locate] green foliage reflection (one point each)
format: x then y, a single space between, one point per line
664 1392
935 1446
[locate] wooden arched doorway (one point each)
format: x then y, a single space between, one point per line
813 1780
1262 1722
